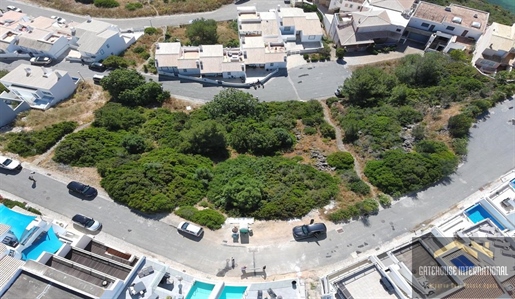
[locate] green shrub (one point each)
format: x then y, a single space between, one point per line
327 131
340 52
359 187
12 203
150 30
310 130
209 218
459 145
330 101
314 57
133 6
368 206
116 62
340 215
138 49
145 55
459 125
38 142
106 3
306 57
384 200
341 160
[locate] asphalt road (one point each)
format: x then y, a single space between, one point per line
491 154
227 12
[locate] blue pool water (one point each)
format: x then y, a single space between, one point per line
48 242
200 290
18 222
232 292
512 184
478 213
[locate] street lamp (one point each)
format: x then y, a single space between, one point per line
81 76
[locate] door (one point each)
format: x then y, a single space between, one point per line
432 27
465 33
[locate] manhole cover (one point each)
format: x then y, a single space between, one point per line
340 230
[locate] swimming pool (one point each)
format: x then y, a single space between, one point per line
512 184
477 213
232 292
48 242
18 222
200 290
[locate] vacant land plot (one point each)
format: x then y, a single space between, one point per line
157 7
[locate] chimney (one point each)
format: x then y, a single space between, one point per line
59 76
88 19
28 71
46 72
278 7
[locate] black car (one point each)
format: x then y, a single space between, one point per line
82 189
97 66
309 230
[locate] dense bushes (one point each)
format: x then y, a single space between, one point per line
37 142
341 160
88 147
206 217
398 172
106 3
158 181
269 187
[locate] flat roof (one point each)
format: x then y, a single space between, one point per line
397 5
253 42
93 25
9 266
28 285
168 48
364 283
35 79
211 51
40 22
99 263
415 256
439 14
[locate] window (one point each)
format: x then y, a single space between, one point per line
311 37
107 45
46 93
350 6
101 52
185 70
398 30
272 64
450 28
287 28
425 25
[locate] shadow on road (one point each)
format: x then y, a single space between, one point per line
85 231
157 216
9 172
313 239
80 196
191 237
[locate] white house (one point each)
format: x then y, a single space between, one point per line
10 107
205 60
39 42
303 26
98 40
40 87
454 19
495 50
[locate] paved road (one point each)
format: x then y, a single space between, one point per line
303 82
227 12
491 154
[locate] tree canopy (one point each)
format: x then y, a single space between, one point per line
202 32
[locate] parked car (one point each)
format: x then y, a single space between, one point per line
338 93
309 230
9 164
13 8
82 189
98 78
40 60
87 222
97 66
59 19
191 229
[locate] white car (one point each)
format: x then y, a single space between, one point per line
9 164
191 229
59 19
13 8
87 222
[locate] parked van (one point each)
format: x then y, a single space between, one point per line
190 229
97 78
